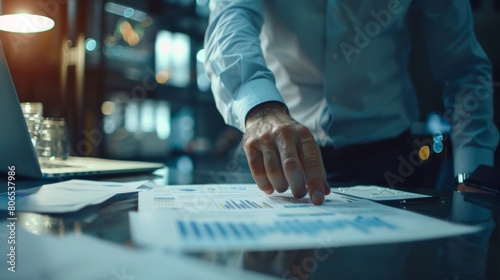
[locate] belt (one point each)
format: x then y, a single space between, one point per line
366 149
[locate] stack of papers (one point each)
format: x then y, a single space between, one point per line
69 196
81 257
241 217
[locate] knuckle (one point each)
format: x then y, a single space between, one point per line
250 144
312 162
290 164
303 131
253 160
266 137
274 172
258 172
283 131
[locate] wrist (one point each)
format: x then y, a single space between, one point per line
265 110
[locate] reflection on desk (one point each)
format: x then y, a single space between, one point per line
430 259
78 256
465 257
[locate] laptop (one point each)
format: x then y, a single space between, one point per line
16 147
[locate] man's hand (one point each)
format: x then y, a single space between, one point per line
282 153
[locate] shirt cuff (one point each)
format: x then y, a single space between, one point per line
466 159
251 94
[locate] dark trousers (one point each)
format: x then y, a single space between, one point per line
390 162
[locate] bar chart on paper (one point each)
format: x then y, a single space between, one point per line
225 231
244 204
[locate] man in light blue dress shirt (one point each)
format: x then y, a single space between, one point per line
325 83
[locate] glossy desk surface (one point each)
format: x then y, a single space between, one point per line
473 256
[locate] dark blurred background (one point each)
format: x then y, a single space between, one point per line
128 77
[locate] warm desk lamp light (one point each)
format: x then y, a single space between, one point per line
24 22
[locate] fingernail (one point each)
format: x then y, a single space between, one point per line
269 191
318 197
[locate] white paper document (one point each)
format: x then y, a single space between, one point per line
69 196
225 198
243 218
81 257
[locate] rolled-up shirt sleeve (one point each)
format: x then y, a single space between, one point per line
458 60
234 61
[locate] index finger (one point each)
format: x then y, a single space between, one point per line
312 163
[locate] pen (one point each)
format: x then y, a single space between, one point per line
422 200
